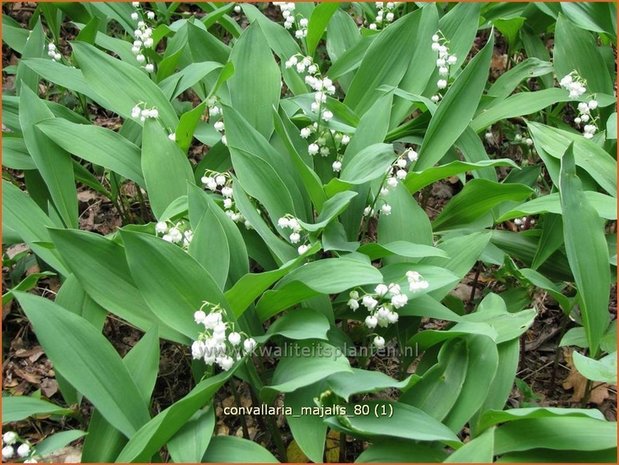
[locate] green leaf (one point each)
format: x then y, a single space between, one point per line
405 421
400 249
588 155
53 163
597 17
576 50
122 85
417 180
397 450
476 201
158 431
166 168
604 369
438 389
308 431
34 48
18 408
255 85
587 252
328 276
190 443
318 22
520 104
58 441
232 449
97 145
301 367
380 66
496 417
509 81
562 433
604 205
368 164
91 365
345 384
299 324
189 76
181 286
456 109
478 450
210 247
22 215
101 268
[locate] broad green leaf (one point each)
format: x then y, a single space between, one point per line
456 109
497 417
400 249
190 443
588 155
53 163
158 431
58 441
345 384
562 433
520 104
597 17
476 201
23 216
65 76
181 285
397 450
604 205
509 81
91 365
122 85
318 23
604 369
587 252
252 285
166 168
255 86
34 48
483 361
302 323
331 209
368 164
209 246
405 421
18 408
189 76
417 180
575 50
328 276
104 442
97 145
302 368
15 154
232 449
478 450
308 431
101 268
439 388
380 66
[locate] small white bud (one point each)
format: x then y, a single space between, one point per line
441 84
8 452
249 344
345 139
149 67
140 58
379 342
371 321
234 338
134 16
386 209
381 290
10 437
353 304
302 249
161 227
23 450
295 238
337 166
313 149
593 104
150 15
220 179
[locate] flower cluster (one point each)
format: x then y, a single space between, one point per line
140 111
397 172
222 183
584 110
143 35
219 343
519 139
291 19
53 53
385 14
577 87
15 447
524 221
574 84
292 223
443 61
215 111
416 282
177 233
381 304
